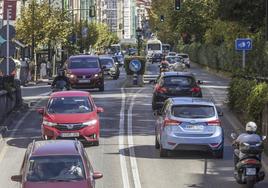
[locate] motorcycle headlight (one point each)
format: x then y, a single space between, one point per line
71 76
48 123
90 122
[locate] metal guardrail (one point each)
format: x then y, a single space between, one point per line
148 78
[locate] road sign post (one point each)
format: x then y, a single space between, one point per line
7 42
243 44
135 67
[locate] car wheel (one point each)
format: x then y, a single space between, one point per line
101 88
157 145
218 153
163 152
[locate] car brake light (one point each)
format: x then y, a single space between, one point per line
171 122
160 89
196 89
214 123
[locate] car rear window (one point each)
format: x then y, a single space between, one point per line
55 168
193 111
179 80
80 63
105 62
69 105
184 56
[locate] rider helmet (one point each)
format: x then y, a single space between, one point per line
251 127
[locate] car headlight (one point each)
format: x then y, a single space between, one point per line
96 75
48 123
90 122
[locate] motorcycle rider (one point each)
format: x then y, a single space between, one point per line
61 77
249 137
164 64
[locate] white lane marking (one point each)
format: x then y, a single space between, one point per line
35 87
12 134
123 163
214 87
40 96
133 161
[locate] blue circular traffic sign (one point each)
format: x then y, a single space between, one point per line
135 65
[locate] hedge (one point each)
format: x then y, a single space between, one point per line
142 59
248 98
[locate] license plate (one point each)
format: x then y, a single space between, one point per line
84 81
250 171
66 135
195 127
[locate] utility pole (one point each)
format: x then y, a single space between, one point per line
8 42
266 20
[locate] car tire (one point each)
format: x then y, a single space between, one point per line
163 152
101 88
157 145
218 154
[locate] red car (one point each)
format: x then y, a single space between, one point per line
56 164
71 114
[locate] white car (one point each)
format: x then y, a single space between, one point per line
171 54
186 59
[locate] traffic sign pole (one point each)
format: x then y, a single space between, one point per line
244 59
7 42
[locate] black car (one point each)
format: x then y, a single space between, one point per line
174 84
157 58
110 67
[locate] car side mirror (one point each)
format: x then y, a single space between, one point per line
17 178
233 136
40 111
200 82
219 111
97 175
99 110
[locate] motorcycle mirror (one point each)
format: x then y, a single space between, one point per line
233 135
264 137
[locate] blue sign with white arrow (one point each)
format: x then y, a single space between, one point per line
135 65
242 44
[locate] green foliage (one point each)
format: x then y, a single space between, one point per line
142 59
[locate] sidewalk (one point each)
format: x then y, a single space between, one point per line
39 82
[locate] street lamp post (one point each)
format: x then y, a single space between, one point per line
266 20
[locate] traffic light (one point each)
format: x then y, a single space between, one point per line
177 5
162 18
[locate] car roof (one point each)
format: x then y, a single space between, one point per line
84 56
182 54
54 147
70 94
192 101
166 74
106 57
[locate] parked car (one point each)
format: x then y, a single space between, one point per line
55 164
174 84
111 67
157 58
186 59
187 123
71 114
85 71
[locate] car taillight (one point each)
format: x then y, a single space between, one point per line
214 123
196 89
171 122
160 89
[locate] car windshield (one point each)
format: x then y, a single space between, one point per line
173 59
69 105
178 81
106 62
154 46
193 111
55 168
80 63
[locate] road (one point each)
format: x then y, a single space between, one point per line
126 155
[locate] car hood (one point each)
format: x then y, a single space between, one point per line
69 118
80 184
80 72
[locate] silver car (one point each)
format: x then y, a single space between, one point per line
187 123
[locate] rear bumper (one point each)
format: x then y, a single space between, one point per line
211 143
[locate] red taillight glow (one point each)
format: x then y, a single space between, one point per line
160 89
196 89
171 122
216 122
250 161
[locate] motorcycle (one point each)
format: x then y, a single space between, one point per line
60 85
249 167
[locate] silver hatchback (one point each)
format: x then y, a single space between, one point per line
187 123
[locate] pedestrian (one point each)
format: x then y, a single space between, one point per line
43 70
49 69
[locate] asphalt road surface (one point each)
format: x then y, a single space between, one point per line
126 155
